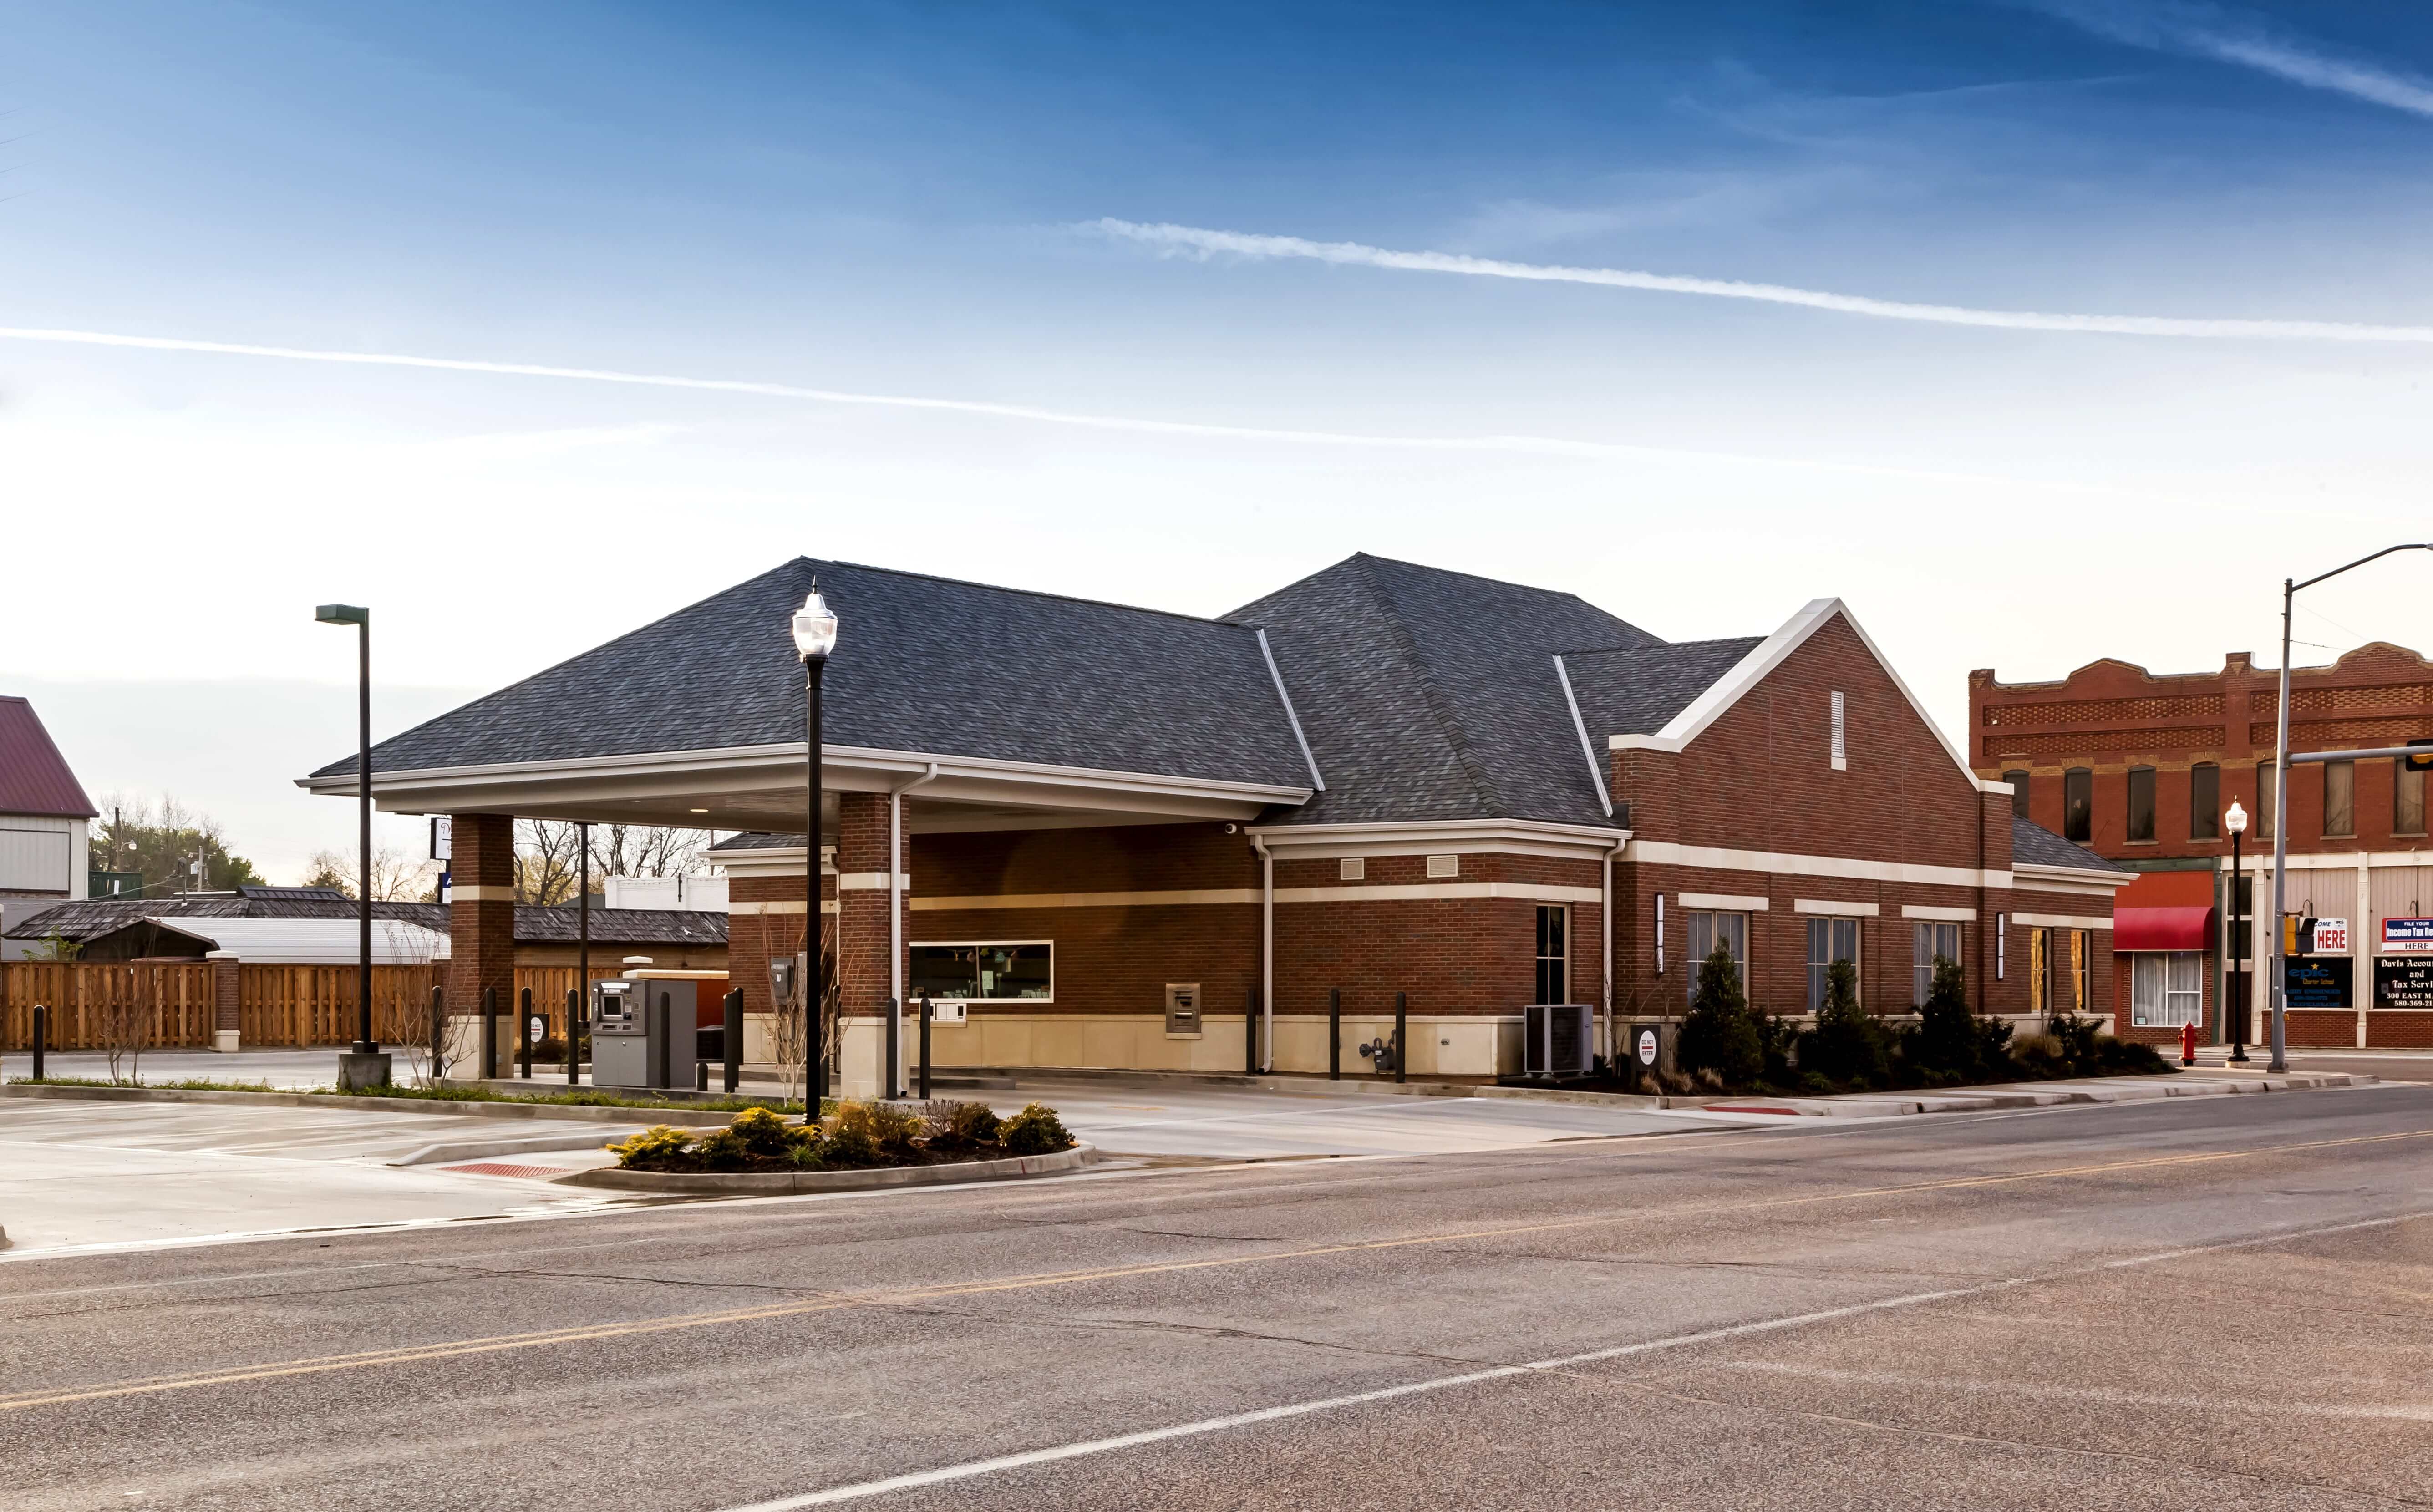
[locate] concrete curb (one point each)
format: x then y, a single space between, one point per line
2010 1096
776 1183
476 1149
400 1105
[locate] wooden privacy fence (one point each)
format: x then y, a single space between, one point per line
172 1005
140 1005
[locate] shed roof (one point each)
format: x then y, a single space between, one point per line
298 941
34 777
86 919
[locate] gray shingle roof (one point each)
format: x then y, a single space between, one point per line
1432 695
2032 844
1638 691
86 919
922 664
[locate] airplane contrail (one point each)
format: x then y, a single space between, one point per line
2209 32
1248 243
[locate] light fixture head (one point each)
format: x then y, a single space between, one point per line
815 627
342 613
2234 821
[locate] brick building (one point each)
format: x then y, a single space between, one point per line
2141 768
1072 818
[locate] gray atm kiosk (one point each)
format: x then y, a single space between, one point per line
643 1033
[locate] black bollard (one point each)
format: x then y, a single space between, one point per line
573 1018
731 1040
1335 1035
42 1037
1402 1035
523 1034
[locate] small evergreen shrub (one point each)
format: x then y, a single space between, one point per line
969 1123
1035 1131
657 1148
1947 1046
1847 1044
761 1131
1718 1035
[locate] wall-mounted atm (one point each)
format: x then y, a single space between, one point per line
643 1033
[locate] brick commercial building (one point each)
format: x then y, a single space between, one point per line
2141 768
1113 837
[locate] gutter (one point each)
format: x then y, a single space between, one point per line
1612 1049
896 918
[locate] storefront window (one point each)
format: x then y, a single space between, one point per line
2166 989
989 972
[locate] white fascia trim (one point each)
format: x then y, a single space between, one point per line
1725 902
1391 892
1587 748
1290 713
1524 837
2029 875
1791 863
791 753
1834 909
1916 910
2061 921
1754 667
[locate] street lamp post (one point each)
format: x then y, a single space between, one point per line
363 1067
2277 982
814 629
2235 1014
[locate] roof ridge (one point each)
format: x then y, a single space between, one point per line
1456 734
1028 593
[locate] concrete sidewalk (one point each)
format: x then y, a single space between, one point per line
1999 1096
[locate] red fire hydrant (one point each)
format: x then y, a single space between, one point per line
2188 1044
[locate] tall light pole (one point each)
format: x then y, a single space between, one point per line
815 632
2235 1019
2276 984
365 1066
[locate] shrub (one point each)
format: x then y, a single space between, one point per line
1718 1036
1946 1044
655 1146
762 1132
1847 1044
723 1151
1778 1036
871 1133
970 1123
1035 1131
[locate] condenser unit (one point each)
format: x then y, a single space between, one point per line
1558 1040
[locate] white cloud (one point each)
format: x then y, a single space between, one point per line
1194 239
2210 31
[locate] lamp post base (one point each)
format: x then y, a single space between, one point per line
361 1071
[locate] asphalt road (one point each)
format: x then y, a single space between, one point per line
2206 1301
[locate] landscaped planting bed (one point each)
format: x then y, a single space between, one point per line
858 1136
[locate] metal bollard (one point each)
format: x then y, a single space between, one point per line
925 1046
1401 1036
438 1032
42 1037
700 1075
731 1039
523 1034
489 1032
894 1049
1335 1035
573 1026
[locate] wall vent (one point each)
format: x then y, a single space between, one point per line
1840 734
1351 869
1444 866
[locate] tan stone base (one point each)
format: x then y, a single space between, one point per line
1483 1045
224 1042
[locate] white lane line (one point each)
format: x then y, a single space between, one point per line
945 1473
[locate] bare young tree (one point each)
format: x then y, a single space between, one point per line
546 863
787 1041
127 1024
402 1017
647 850
396 876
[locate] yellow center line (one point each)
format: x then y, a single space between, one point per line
410 1354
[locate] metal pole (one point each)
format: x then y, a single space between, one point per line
364 1045
42 1037
523 1034
925 1046
489 1032
1335 1035
578 1001
1401 1039
814 973
730 1040
894 1046
439 1031
2276 983
2239 953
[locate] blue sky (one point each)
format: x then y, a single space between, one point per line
895 200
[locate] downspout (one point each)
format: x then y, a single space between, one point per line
1612 1048
1267 954
895 912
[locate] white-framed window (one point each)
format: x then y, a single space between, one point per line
1930 941
1554 956
1829 941
1839 734
985 971
1706 926
2166 989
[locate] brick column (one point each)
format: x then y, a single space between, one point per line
226 980
480 916
863 978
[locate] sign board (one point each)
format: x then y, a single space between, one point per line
2402 983
2319 981
443 844
2408 934
2331 937
1646 1048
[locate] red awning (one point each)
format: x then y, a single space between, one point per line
2165 929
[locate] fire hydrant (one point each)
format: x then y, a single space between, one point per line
2188 1044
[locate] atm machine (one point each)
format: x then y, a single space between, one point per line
643 1033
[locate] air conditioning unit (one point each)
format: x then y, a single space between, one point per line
1558 1040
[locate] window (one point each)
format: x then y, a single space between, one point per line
1829 941
985 972
2165 989
1931 941
2141 802
1704 930
2340 798
2059 967
2018 781
2078 804
2204 801
2407 800
1554 969
2082 971
2242 922
2264 792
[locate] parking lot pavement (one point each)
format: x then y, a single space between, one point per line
86 1175
284 1069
